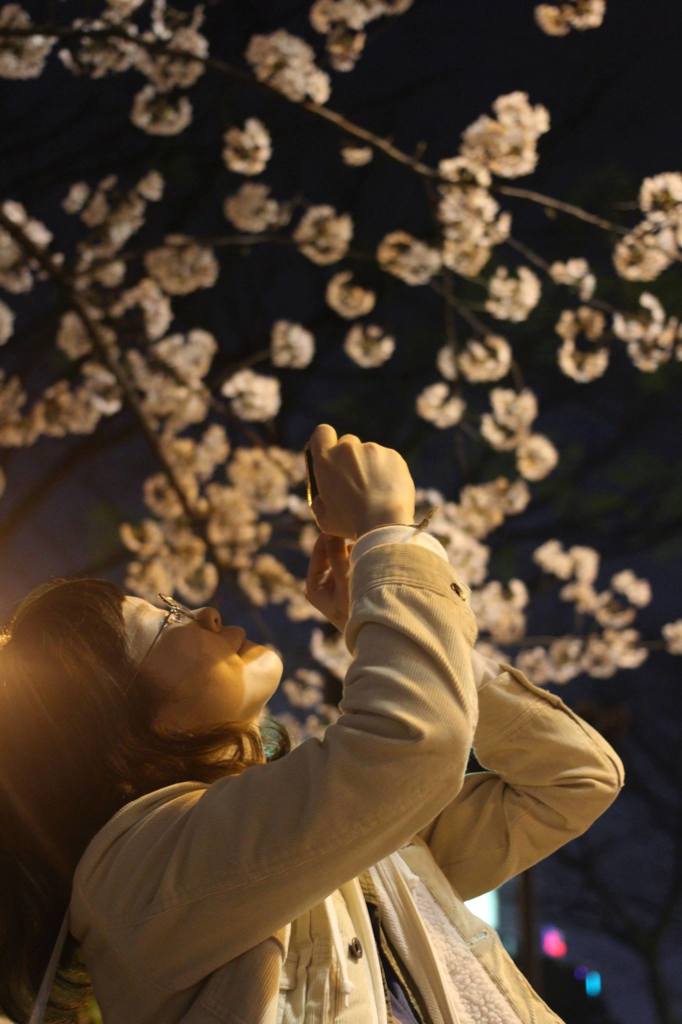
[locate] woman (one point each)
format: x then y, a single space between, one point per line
208 881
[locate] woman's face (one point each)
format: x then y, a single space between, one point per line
210 678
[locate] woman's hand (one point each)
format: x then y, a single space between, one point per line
327 582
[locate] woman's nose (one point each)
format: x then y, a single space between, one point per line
209 617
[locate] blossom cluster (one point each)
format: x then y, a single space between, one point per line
560 19
656 241
343 23
471 219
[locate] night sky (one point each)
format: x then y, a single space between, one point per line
614 99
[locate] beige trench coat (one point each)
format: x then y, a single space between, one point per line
200 904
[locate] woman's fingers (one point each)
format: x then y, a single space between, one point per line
330 554
319 560
337 553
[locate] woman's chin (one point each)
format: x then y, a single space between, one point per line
250 650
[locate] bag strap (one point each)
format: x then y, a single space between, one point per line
38 1011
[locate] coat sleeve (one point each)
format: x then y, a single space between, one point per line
549 776
207 872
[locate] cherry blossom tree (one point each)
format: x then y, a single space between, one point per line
200 528
213 505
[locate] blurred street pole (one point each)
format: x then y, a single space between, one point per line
530 961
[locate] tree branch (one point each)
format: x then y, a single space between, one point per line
74 301
377 142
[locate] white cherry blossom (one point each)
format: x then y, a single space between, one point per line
512 415
472 221
579 364
672 635
551 557
485 359
264 476
166 71
650 337
348 298
247 150
368 345
575 273
305 689
558 20
154 303
661 192
499 609
536 456
198 585
267 581
464 171
157 114
181 265
151 186
356 156
484 507
22 56
613 649
287 63
76 197
582 367
233 527
507 145
145 538
647 250
254 396
6 323
637 591
535 663
609 610
582 594
565 658
405 256
446 362
189 355
323 235
252 208
435 404
513 298
101 387
150 578
17 272
291 345
100 55
344 47
325 14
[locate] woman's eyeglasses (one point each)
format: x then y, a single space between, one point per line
176 613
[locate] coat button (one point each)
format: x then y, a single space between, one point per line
355 948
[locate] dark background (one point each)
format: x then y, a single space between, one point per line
613 96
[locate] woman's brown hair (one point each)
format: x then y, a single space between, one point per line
76 744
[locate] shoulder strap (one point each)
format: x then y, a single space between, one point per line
38 1011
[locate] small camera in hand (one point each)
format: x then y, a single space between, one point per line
311 482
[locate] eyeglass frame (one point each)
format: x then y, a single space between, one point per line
174 607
